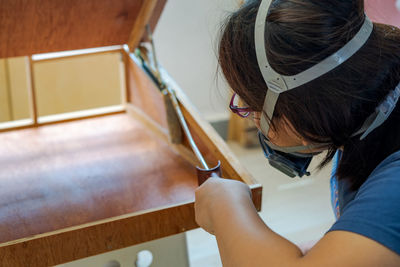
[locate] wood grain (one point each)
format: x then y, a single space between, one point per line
32 92
69 174
212 146
92 239
143 18
26 124
31 27
145 96
125 58
174 126
162 133
77 189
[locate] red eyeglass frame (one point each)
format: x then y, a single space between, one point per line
243 112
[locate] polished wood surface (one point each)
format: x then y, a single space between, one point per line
144 94
73 173
77 189
39 26
32 92
92 239
147 98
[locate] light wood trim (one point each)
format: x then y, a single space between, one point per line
16 125
125 58
32 92
76 53
86 113
83 117
99 237
6 127
8 89
142 20
95 223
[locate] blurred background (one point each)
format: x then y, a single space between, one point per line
186 43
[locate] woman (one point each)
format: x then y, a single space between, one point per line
317 76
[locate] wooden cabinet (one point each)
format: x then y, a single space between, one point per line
82 185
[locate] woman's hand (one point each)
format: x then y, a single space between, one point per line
217 200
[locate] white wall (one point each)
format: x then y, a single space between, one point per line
186 43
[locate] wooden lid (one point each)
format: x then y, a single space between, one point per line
39 26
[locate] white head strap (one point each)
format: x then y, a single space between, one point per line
278 83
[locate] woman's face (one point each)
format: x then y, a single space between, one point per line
284 134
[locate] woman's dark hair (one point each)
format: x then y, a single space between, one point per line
331 108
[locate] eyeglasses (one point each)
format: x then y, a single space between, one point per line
243 112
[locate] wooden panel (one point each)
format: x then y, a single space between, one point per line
144 94
69 174
30 27
5 108
75 243
76 189
19 88
77 83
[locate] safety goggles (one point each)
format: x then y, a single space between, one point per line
243 112
278 83
287 159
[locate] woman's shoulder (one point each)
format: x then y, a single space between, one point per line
388 167
384 179
374 211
